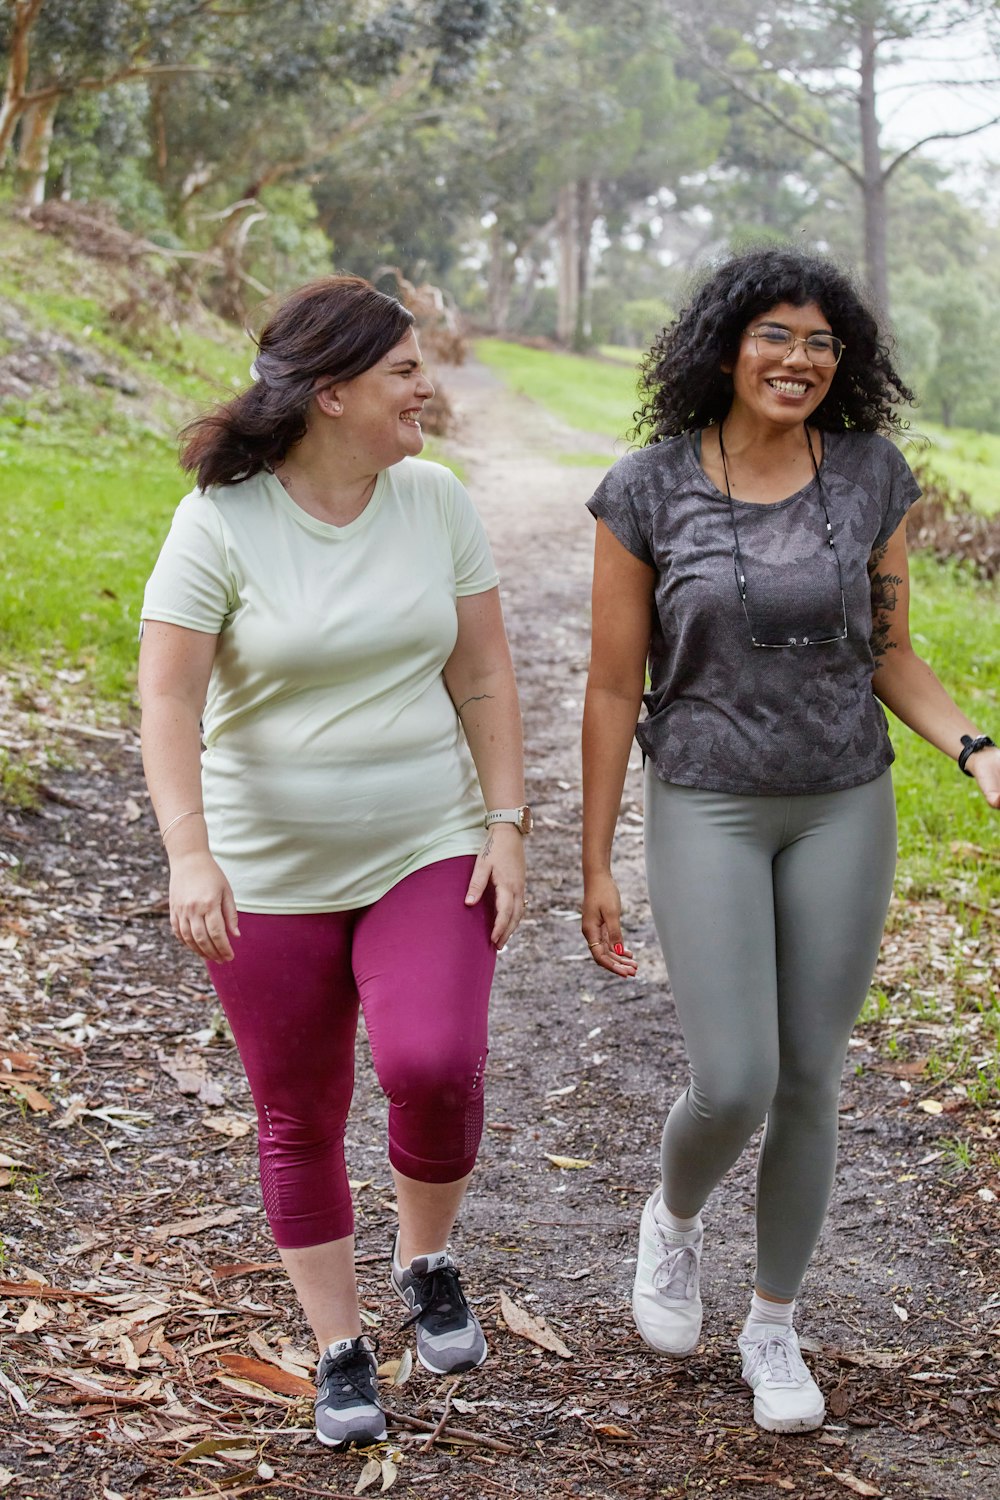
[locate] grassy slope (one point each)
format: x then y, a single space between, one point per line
955 622
90 477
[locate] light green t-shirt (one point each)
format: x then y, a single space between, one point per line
334 761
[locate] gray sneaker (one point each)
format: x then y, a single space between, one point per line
347 1405
449 1338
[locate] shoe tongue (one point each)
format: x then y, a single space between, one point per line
339 1346
424 1264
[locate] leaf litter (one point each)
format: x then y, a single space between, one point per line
137 1277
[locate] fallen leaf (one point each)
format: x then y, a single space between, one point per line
35 1101
574 1163
189 1071
611 1430
232 1125
34 1316
536 1330
208 1446
253 1389
272 1377
182 1227
398 1371
6 1477
264 1471
929 1107
390 1473
244 1268
986 1194
853 1483
370 1474
901 1313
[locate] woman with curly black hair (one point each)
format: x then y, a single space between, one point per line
753 552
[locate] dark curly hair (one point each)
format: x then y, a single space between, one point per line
327 331
683 386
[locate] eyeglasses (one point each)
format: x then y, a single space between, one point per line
821 348
808 637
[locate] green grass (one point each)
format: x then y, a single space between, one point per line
592 395
967 460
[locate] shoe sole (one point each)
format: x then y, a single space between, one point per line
804 1423
459 1369
668 1353
353 1440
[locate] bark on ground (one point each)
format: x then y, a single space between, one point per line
131 1340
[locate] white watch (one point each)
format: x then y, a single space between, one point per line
519 816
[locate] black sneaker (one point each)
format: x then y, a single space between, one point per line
449 1338
347 1404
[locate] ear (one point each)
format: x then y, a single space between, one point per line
329 402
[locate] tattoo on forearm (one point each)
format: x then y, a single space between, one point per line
884 599
479 698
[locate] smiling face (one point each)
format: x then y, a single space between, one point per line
380 409
774 390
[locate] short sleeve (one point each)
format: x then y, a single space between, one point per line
614 504
475 570
192 583
899 492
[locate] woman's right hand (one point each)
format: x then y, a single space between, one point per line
202 908
601 924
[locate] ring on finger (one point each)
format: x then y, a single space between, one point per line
592 946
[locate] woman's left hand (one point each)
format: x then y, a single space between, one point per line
985 767
500 863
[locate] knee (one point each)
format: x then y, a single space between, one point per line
733 1105
439 1076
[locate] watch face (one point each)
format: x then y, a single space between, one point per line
524 819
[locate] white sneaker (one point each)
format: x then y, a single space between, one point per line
666 1303
786 1398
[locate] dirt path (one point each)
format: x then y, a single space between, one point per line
109 1379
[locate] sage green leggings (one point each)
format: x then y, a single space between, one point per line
770 912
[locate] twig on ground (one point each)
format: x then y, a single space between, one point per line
456 1434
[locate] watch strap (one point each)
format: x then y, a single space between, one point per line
970 746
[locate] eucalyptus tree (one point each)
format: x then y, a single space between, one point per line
847 52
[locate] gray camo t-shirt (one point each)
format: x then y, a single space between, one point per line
722 714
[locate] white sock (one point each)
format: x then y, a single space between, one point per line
768 1314
674 1221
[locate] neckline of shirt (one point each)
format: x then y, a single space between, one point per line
327 529
691 453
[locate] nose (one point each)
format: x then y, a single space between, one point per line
425 389
797 354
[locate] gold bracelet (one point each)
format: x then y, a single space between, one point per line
194 812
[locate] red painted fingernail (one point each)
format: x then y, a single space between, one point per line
619 949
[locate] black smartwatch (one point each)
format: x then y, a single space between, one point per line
970 746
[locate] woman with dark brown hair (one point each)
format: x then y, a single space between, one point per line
325 612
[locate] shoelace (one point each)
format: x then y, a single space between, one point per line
350 1371
439 1294
674 1276
781 1358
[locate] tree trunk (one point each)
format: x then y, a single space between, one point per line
35 142
16 82
569 264
500 280
874 178
586 213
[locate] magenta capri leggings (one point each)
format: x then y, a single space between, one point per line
420 964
